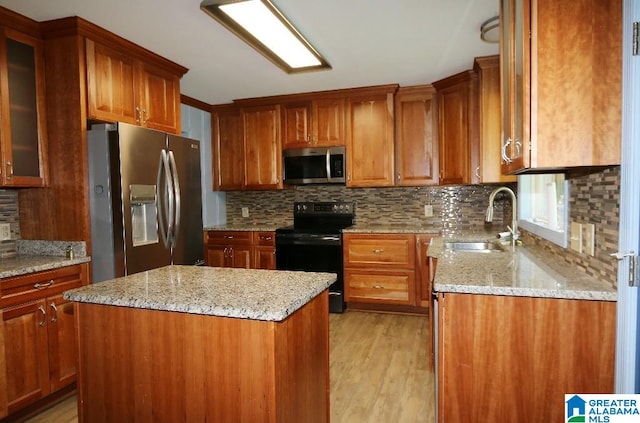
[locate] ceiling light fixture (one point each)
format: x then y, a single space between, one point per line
261 25
490 30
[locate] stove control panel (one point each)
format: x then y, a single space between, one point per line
318 208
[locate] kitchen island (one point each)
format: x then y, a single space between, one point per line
184 343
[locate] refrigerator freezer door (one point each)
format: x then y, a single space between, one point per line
134 154
189 248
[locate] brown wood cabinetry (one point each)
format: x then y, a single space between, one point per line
530 350
370 138
22 108
264 250
245 249
262 147
38 348
296 131
122 88
379 269
489 120
554 119
416 143
228 249
457 132
317 122
62 210
228 148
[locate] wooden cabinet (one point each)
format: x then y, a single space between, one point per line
424 272
489 120
122 88
317 122
263 147
228 249
228 148
530 350
379 268
38 349
554 119
370 138
416 142
457 133
22 111
264 250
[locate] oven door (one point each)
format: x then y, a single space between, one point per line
314 253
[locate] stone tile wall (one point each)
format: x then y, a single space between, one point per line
9 214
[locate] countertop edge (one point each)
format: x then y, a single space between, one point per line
526 292
56 263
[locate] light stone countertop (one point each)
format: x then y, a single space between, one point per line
23 264
269 295
248 227
515 272
396 228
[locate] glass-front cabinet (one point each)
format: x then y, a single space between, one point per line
22 130
515 80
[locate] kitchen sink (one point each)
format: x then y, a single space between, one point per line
474 246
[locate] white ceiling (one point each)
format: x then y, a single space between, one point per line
367 42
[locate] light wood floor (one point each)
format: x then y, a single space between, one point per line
379 371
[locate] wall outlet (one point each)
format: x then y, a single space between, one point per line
245 212
428 210
5 231
588 239
576 237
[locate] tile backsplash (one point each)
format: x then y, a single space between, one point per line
9 214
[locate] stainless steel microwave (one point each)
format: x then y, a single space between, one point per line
320 165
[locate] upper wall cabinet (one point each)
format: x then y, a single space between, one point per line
228 148
122 88
416 144
262 147
457 128
314 123
561 84
22 111
370 138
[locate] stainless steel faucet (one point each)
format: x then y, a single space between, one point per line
514 212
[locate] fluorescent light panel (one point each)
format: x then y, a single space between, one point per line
262 26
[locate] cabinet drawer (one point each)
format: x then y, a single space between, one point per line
379 250
391 287
264 238
34 286
228 237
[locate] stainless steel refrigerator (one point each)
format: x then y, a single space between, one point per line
146 204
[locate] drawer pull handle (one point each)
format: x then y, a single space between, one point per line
378 250
378 286
44 285
265 238
44 316
54 318
228 237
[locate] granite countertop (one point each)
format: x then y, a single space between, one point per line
269 295
254 227
517 271
23 264
391 228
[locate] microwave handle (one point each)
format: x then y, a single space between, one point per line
328 161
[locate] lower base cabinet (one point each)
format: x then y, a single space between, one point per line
242 249
37 340
512 359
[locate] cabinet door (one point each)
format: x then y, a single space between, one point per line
263 154
228 149
25 354
328 122
456 129
112 84
416 150
265 257
216 255
22 115
296 125
160 103
62 342
370 141
240 256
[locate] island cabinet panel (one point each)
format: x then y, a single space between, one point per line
180 367
228 248
512 359
38 339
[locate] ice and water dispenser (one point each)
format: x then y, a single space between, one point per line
144 212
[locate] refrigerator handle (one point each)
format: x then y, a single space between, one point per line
165 208
176 188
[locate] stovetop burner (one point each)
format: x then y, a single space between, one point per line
320 217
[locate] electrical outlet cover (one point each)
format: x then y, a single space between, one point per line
588 239
5 231
428 210
245 212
